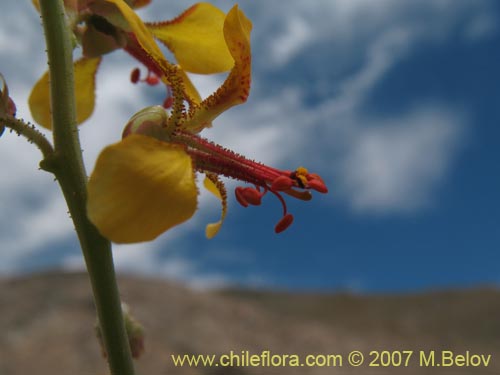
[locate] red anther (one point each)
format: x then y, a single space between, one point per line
152 80
167 103
302 195
252 196
282 183
135 75
284 223
314 176
317 185
239 196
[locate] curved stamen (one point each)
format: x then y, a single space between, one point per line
283 203
210 157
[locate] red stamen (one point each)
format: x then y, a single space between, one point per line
152 79
210 157
284 223
135 75
255 170
317 185
239 196
314 176
316 182
283 203
135 50
252 196
302 195
282 183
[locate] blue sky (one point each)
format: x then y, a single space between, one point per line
394 103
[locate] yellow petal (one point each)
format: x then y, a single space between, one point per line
236 87
84 73
36 4
140 188
119 14
217 188
196 38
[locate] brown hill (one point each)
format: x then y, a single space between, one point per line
47 327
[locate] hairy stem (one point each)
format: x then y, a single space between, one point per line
29 132
70 172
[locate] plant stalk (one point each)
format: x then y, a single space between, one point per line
70 172
30 133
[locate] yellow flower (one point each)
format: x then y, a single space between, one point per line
101 26
145 184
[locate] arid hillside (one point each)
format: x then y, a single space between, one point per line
47 325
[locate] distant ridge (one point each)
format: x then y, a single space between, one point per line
47 322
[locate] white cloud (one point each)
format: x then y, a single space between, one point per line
290 41
150 259
385 51
381 165
33 212
396 165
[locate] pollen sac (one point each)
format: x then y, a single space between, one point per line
318 185
135 75
246 196
282 183
315 182
299 176
284 223
152 79
304 195
239 197
150 121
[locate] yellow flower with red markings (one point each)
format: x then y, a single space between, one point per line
102 26
145 184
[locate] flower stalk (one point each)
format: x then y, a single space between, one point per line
30 133
67 165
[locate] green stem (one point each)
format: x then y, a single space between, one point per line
70 172
30 133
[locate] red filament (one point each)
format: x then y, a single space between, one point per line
210 157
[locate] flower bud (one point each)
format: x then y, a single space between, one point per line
135 334
150 121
